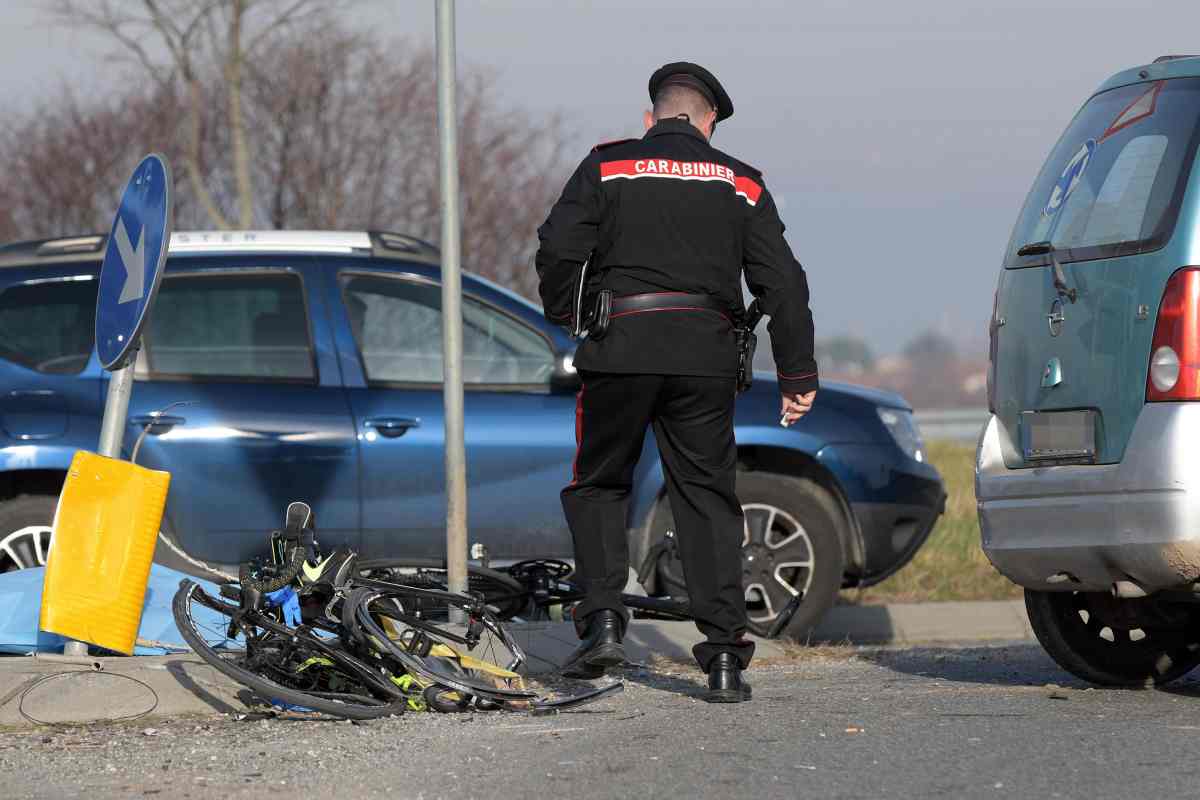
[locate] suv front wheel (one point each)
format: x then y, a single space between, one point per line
790 546
25 531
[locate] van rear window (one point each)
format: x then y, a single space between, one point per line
1114 183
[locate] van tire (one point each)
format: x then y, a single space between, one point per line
1072 627
25 522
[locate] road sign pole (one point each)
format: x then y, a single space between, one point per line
452 385
116 410
134 256
112 435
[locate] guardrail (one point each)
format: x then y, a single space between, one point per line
955 424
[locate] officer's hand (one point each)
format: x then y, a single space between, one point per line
795 406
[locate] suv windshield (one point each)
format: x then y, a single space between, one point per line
1114 182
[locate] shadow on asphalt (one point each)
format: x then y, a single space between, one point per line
651 678
1014 665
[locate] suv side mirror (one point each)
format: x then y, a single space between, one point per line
565 379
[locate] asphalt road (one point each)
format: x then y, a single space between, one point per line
915 723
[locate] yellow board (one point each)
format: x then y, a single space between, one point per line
105 530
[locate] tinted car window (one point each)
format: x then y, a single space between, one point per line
251 326
398 327
1114 182
49 326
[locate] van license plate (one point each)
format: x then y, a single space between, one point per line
1059 436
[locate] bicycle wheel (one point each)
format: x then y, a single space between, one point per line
547 583
506 596
285 666
409 643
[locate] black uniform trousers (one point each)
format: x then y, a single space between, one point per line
693 425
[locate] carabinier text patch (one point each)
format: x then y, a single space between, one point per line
681 170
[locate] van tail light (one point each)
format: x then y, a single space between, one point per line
991 368
1175 354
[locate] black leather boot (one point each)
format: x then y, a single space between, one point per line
600 650
725 682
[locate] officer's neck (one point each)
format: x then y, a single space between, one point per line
680 124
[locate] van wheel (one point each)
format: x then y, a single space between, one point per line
25 531
1138 643
790 546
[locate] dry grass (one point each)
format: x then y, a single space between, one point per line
951 565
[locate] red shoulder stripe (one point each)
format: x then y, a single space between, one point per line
603 145
747 189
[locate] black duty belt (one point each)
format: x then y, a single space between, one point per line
667 301
608 307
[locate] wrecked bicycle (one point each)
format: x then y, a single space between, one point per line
308 632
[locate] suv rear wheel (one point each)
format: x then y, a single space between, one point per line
790 546
1137 643
25 531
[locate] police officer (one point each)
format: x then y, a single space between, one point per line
666 225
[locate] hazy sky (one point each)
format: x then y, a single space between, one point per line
898 138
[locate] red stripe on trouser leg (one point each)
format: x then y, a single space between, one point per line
578 434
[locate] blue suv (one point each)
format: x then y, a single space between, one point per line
303 365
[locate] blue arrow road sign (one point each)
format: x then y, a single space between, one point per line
133 261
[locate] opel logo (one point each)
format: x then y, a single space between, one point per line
1055 318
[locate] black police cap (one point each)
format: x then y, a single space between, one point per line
696 77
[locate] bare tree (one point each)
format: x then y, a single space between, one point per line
342 130
349 133
176 40
63 165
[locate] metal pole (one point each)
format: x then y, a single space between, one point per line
452 385
116 409
112 435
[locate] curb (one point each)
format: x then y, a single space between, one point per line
81 690
183 684
913 623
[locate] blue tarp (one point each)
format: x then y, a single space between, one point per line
21 603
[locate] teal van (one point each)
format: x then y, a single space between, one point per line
1088 471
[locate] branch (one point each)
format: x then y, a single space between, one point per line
237 125
192 160
288 15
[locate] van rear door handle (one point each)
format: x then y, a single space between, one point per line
157 423
391 427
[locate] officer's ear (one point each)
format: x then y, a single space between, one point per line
648 119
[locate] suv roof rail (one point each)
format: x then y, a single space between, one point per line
1161 59
77 244
389 244
90 247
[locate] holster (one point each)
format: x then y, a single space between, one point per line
597 320
747 341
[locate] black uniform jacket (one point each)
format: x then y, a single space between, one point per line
670 213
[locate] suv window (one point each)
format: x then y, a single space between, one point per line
49 325
1114 183
397 325
245 327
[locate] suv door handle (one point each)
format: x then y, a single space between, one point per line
157 423
391 427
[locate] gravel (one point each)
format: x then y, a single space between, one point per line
978 721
